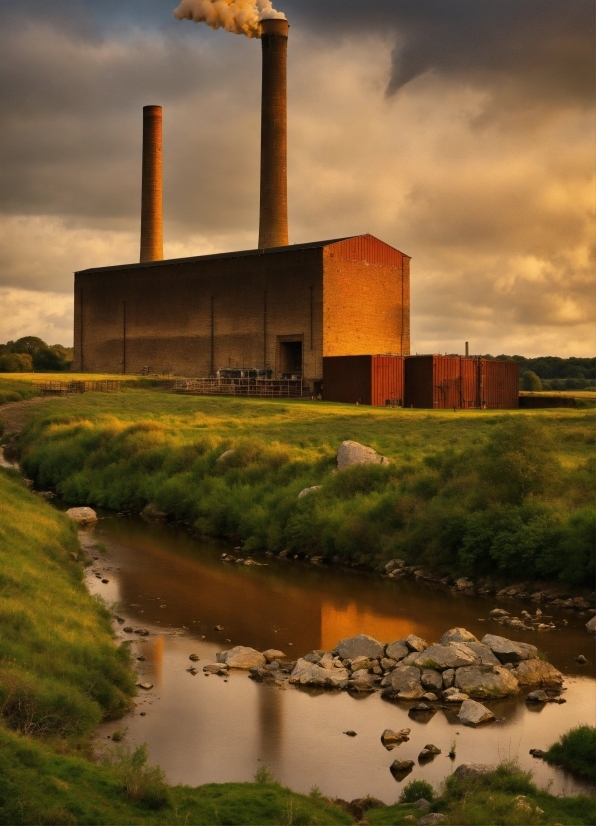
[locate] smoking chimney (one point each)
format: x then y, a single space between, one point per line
151 199
273 220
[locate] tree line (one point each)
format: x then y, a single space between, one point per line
30 353
553 373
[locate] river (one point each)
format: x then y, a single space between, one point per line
205 729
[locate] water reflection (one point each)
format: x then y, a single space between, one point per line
202 729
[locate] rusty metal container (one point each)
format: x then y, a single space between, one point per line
459 382
374 380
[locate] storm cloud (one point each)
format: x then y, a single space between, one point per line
460 132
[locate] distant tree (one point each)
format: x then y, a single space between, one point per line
28 344
16 363
530 381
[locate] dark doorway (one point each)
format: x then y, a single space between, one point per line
290 358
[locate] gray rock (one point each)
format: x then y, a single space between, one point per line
215 668
314 656
457 635
84 516
388 664
430 697
401 767
415 643
397 650
431 819
463 583
360 646
486 682
440 657
272 654
363 681
581 659
472 771
391 738
498 612
308 674
537 672
539 696
508 651
448 677
591 625
194 657
432 748
352 453
405 683
454 695
537 752
483 653
243 657
305 491
393 564
431 680
472 713
423 804
361 664
145 686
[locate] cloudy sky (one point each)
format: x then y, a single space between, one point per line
460 131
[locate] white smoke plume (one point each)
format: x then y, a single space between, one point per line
237 16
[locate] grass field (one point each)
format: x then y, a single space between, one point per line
485 493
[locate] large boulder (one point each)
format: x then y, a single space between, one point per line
508 651
472 771
397 650
84 516
359 646
440 657
591 625
415 643
243 657
483 653
537 672
405 683
272 654
486 682
353 453
457 635
432 680
309 674
391 738
472 713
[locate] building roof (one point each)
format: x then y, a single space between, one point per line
241 253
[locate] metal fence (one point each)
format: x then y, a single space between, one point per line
263 388
62 388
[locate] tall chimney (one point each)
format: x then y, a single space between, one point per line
273 219
151 199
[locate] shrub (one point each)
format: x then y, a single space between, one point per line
575 751
16 363
530 381
416 789
143 783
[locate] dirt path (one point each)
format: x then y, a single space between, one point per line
14 415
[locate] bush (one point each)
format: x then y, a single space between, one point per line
16 363
143 783
530 381
416 789
575 751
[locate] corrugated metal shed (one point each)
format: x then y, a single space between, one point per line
500 384
375 380
457 382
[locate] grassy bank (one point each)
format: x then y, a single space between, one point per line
479 493
575 751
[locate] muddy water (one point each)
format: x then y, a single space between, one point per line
206 729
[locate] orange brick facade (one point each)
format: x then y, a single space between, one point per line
194 316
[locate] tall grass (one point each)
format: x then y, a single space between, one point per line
498 495
576 751
60 672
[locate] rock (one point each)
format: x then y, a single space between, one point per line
363 681
537 752
388 664
472 713
430 697
391 738
261 674
453 695
305 491
482 653
508 651
472 771
194 657
218 628
397 650
463 583
425 756
431 819
127 629
145 686
581 659
422 804
537 672
440 657
591 625
431 680
410 659
539 696
360 646
352 453
151 511
393 564
225 455
82 515
415 643
314 656
361 663
400 768
308 674
432 748
216 668
243 657
405 683
448 677
457 635
272 654
351 733
486 682
498 612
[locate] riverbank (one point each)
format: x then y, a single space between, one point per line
496 497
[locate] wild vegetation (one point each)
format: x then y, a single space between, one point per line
31 353
575 751
481 493
554 373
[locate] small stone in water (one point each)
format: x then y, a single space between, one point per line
350 733
105 581
218 628
145 686
141 658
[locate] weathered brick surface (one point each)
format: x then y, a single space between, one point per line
159 315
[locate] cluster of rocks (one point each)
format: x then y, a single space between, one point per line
458 671
241 561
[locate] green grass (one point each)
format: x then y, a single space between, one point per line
15 390
575 751
60 672
505 797
491 494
